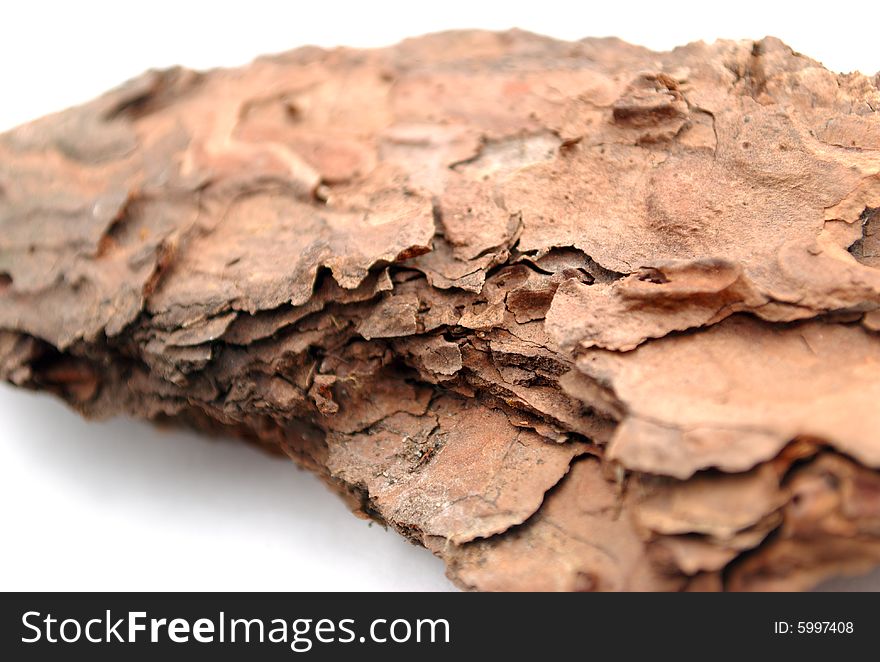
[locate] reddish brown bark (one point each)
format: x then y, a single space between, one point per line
574 316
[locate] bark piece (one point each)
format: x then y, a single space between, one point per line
581 540
572 315
735 394
459 472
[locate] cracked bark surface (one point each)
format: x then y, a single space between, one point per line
571 315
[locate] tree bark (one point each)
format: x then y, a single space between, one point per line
573 316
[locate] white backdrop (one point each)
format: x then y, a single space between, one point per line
124 506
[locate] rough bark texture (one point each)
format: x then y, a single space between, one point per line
574 316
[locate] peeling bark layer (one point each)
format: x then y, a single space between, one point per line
573 316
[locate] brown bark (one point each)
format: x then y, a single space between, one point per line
574 316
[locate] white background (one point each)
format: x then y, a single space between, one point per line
124 506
